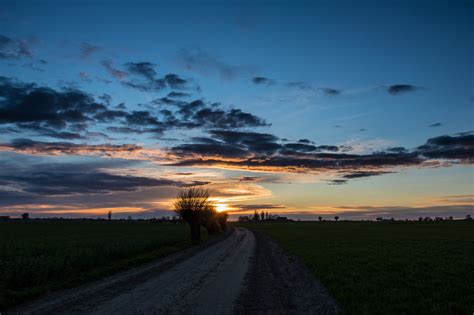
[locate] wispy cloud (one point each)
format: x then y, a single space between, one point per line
206 63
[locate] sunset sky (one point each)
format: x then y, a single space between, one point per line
357 109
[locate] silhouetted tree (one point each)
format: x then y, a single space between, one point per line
262 216
193 207
336 218
25 216
320 218
209 219
109 215
468 217
256 216
222 219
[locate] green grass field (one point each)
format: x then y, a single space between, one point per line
387 268
37 256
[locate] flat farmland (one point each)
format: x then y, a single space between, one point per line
386 267
39 256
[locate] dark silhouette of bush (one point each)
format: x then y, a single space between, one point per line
194 208
209 219
109 215
256 216
222 219
320 218
336 218
25 216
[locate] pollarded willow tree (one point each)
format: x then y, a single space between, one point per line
193 206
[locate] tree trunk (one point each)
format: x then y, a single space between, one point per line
195 231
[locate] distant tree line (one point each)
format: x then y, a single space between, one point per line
262 216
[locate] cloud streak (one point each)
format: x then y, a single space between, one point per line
203 62
14 49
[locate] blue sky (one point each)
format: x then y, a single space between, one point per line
327 70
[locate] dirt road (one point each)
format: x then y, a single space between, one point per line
238 273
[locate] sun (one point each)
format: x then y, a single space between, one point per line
222 207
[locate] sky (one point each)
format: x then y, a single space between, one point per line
299 108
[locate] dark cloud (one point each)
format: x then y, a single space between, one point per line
69 183
262 81
401 88
14 49
144 69
435 125
148 80
258 151
252 142
201 149
317 162
116 73
124 129
147 86
106 98
331 91
201 114
363 174
174 81
65 148
176 94
301 147
166 101
87 50
38 176
337 181
57 113
26 103
449 147
248 178
253 146
234 118
110 115
203 62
